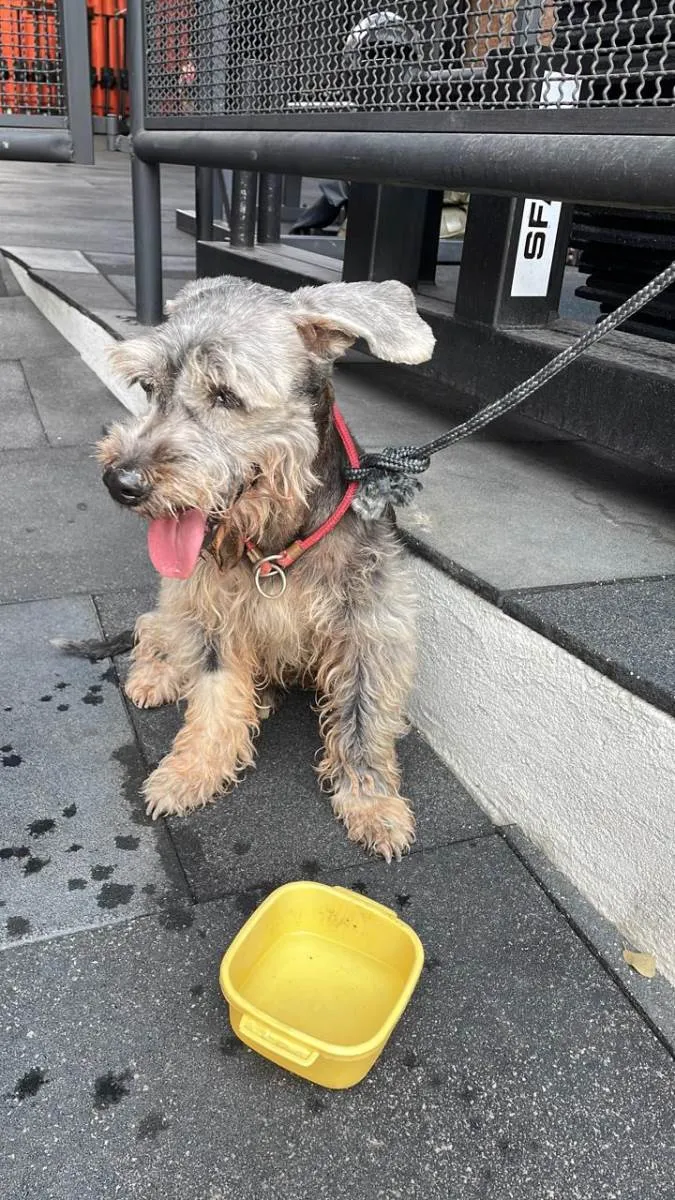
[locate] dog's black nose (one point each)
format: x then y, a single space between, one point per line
126 485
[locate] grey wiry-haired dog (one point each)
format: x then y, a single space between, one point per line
238 457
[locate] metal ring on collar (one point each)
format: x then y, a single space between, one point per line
276 572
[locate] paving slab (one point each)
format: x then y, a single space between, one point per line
127 285
624 629
24 332
654 997
74 406
86 292
77 850
518 1071
61 532
39 258
10 286
277 824
515 513
20 425
123 264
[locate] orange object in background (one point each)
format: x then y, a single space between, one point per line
96 56
107 57
30 67
31 70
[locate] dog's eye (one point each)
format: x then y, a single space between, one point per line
226 398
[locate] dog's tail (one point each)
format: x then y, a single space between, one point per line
95 649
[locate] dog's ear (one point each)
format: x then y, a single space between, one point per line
139 360
330 319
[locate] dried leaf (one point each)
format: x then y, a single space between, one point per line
644 964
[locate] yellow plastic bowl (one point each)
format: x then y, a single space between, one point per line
317 979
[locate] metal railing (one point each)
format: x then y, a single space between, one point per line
45 105
571 100
284 61
473 95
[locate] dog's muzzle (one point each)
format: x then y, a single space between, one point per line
126 485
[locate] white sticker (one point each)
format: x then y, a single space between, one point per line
536 244
559 91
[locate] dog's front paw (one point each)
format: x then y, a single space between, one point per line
175 788
384 825
152 684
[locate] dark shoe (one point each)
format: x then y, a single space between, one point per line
319 216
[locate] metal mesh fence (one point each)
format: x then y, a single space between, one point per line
31 66
280 57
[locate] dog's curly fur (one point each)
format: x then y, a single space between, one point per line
239 426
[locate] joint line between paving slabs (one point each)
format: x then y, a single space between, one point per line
583 937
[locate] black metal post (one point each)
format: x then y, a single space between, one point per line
291 191
145 184
269 208
385 230
430 236
204 214
147 241
513 261
223 198
243 208
75 29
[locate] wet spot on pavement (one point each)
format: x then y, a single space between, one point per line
34 865
40 827
176 918
29 1084
110 1088
100 872
112 895
230 1045
14 852
127 842
17 927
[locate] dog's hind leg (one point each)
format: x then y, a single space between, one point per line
364 684
215 743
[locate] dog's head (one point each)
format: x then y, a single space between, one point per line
234 379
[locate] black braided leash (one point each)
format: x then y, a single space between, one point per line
402 461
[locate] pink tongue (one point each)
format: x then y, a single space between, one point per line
174 543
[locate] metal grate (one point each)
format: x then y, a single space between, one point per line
281 57
31 67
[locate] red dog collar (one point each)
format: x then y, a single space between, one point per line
274 566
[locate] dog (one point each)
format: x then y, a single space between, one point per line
239 457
